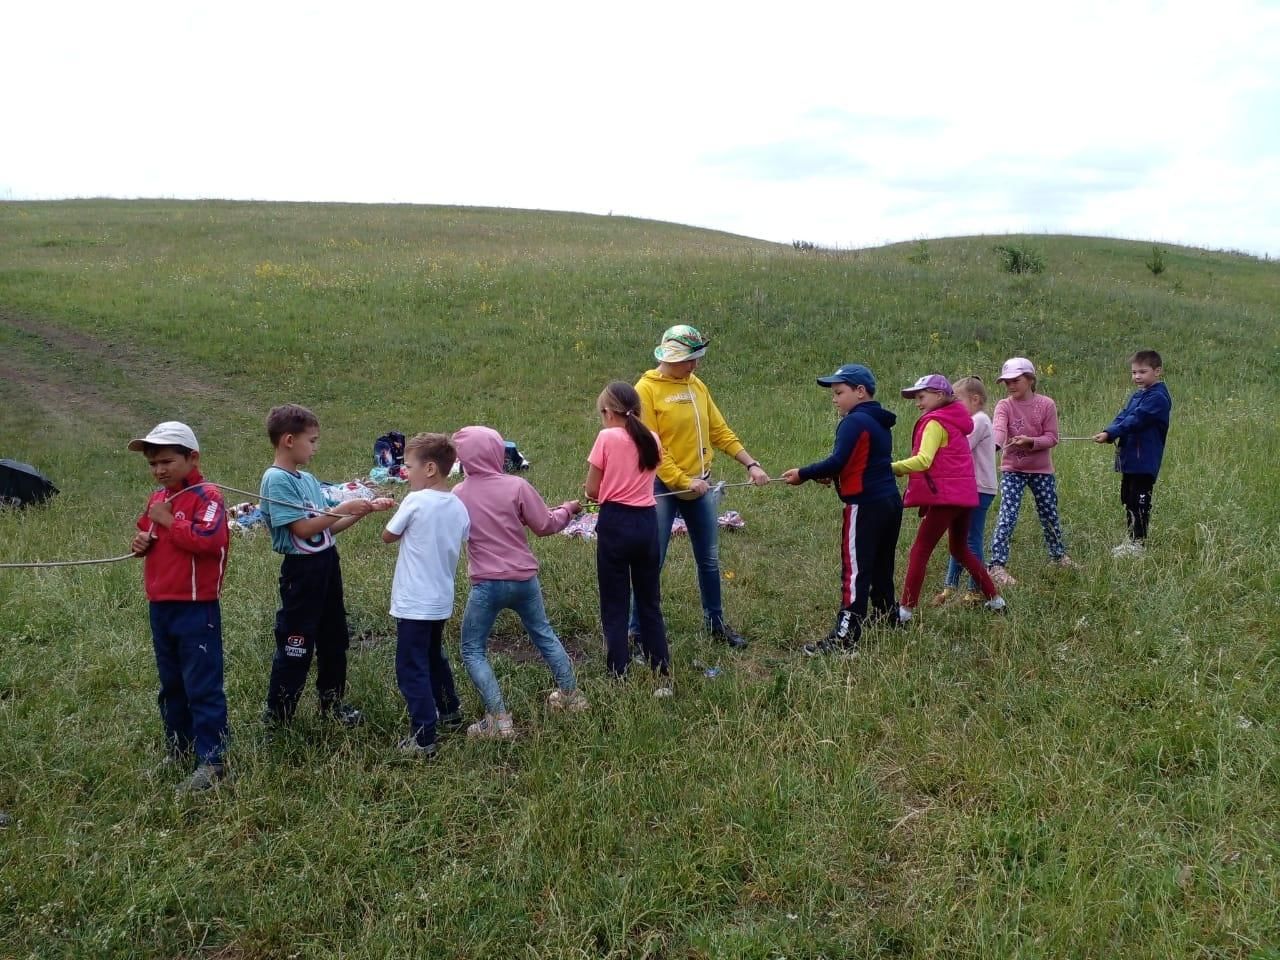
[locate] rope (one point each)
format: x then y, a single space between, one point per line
131 556
718 488
67 563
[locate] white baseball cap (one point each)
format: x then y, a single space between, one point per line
171 433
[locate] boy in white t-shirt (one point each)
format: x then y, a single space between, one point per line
431 526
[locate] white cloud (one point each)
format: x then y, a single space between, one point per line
832 122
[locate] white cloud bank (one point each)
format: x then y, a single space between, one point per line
845 124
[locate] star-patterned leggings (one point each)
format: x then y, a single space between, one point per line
1044 490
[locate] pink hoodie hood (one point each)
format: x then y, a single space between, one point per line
500 506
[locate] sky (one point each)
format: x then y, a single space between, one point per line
843 124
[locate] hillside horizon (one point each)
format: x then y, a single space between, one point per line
626 218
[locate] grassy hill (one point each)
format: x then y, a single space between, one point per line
1096 775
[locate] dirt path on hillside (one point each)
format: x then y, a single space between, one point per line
140 366
69 402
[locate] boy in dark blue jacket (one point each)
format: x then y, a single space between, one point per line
859 465
1139 432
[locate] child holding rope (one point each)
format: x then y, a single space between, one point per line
859 465
1025 428
504 575
430 526
982 443
941 483
182 538
1139 431
622 464
312 619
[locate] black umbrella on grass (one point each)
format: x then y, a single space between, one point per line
21 484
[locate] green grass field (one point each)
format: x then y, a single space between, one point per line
1097 775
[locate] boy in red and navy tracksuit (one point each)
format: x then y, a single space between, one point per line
183 541
859 465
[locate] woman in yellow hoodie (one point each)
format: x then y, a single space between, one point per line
677 406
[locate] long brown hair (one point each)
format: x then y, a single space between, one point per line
621 398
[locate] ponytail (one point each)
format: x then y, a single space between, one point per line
621 398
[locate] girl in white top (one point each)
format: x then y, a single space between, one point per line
982 444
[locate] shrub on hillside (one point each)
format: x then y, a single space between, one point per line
1156 263
1019 259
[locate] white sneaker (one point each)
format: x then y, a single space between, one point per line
663 692
572 701
1130 548
997 605
904 614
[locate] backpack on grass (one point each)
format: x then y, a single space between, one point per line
388 450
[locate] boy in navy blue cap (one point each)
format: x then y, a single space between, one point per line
860 466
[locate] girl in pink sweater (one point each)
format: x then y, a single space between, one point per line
943 486
1026 430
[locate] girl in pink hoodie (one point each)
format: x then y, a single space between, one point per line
504 575
943 486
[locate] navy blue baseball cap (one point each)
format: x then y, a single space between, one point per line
854 374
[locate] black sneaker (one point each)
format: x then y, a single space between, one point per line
343 713
831 646
451 722
274 720
725 633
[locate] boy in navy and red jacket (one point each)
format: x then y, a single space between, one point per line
182 538
859 465
1139 432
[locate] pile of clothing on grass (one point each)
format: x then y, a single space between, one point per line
583 526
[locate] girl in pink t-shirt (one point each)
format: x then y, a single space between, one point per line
1025 429
620 477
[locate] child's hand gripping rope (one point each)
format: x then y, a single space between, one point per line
719 487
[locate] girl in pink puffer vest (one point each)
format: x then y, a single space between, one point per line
941 483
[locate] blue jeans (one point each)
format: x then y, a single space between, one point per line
487 599
977 528
701 517
187 636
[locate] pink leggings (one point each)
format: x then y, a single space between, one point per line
934 522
